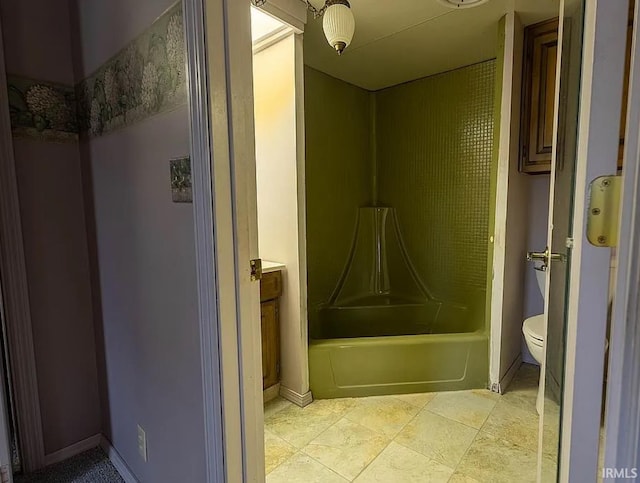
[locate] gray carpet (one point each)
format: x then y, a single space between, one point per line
92 466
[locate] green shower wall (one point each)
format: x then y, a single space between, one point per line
424 148
434 157
338 175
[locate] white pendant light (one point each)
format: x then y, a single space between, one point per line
338 24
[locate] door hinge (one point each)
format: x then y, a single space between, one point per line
256 269
569 242
604 209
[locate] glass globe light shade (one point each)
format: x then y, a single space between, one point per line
338 24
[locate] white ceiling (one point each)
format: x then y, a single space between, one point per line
401 40
263 25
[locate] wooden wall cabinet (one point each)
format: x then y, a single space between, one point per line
270 292
538 96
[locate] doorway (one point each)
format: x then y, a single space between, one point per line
280 195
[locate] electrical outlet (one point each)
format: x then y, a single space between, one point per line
142 443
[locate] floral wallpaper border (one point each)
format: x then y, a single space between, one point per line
42 110
145 78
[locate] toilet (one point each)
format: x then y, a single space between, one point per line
535 330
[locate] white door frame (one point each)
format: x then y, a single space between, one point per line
622 419
199 28
242 181
507 266
219 39
16 294
598 134
224 193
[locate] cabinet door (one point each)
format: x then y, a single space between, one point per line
270 343
270 286
538 96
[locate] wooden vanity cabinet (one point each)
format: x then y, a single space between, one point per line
270 292
538 96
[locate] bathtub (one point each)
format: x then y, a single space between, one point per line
396 349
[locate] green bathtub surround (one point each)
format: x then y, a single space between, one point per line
370 366
430 159
434 165
411 316
338 175
396 319
379 270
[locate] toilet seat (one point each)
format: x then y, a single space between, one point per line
534 328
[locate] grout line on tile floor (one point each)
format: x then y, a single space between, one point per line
393 439
325 466
302 453
465 454
390 439
321 433
350 422
284 460
405 424
375 458
455 421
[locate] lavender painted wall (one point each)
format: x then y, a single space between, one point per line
38 45
99 41
149 299
536 241
58 277
37 38
147 270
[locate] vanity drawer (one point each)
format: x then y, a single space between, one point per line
270 286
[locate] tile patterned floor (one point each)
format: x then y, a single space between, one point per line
92 466
456 437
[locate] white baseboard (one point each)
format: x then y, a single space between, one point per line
508 376
117 461
73 450
270 393
301 400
